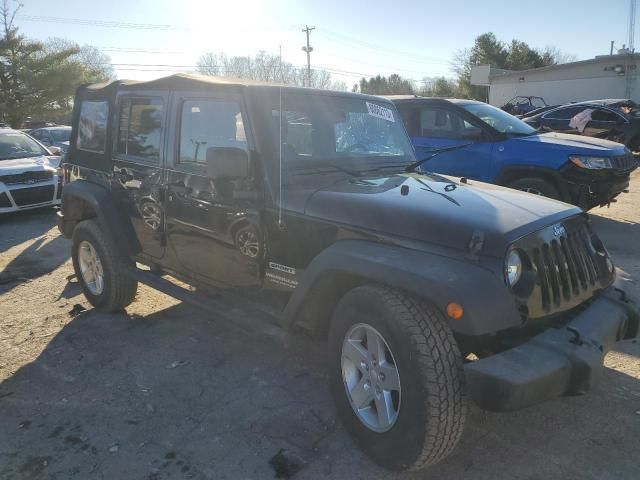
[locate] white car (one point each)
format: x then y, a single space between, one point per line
28 173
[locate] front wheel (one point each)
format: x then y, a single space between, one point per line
100 270
396 377
536 186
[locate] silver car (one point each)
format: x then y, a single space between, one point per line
28 173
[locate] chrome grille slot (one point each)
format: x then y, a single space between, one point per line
572 265
563 269
552 273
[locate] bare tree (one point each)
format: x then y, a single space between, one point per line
263 67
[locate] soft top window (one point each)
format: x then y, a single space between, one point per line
140 126
92 126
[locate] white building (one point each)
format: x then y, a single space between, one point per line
606 76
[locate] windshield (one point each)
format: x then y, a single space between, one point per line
19 145
499 119
538 102
339 131
61 134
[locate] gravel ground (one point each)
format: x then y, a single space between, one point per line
168 390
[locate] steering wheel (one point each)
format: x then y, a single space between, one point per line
355 146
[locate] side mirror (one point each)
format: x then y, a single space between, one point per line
55 150
227 162
472 133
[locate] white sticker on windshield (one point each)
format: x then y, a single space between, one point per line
379 111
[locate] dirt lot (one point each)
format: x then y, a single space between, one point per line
170 391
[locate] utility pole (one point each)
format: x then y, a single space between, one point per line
307 29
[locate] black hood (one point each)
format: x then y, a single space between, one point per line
436 209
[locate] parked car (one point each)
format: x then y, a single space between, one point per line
309 201
536 111
522 104
53 136
608 121
28 173
501 149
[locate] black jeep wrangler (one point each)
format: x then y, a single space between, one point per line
428 288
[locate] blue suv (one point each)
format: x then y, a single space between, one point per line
496 147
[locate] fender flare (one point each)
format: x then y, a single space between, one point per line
488 305
118 229
535 171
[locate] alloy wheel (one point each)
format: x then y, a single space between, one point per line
371 378
91 267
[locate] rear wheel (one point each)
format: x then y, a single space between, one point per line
536 186
397 378
99 269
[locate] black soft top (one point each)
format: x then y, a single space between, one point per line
180 81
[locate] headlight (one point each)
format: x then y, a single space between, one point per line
513 268
592 163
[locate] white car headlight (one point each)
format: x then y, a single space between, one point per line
513 268
592 163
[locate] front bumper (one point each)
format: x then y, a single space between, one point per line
17 197
591 188
566 361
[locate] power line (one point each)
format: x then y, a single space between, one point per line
377 48
100 23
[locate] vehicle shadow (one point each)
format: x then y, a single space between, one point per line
177 393
18 227
41 257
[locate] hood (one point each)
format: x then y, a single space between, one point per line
576 143
437 209
30 164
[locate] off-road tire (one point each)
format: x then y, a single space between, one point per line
544 187
433 405
119 289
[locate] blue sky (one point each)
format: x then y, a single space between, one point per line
415 38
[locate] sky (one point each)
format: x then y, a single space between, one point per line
414 38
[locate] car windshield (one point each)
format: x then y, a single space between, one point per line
341 132
61 134
538 102
18 145
499 119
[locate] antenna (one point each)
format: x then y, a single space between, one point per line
632 25
280 199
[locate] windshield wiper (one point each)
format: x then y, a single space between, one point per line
412 167
327 163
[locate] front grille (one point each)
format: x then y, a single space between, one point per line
624 162
4 201
566 267
27 177
33 195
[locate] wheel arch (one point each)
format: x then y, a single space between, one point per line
350 263
511 173
82 200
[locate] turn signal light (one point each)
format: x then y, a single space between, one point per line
455 310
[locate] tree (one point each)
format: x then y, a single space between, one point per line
39 79
94 64
392 85
438 87
266 68
487 49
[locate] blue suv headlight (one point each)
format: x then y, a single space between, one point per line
592 163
